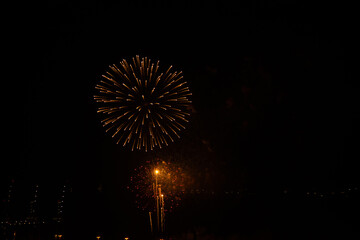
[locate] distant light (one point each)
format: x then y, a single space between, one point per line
126 238
98 237
156 172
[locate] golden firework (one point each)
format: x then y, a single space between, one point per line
146 180
144 108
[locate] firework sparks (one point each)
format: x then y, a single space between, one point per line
144 108
171 178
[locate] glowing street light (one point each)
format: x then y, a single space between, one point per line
159 201
157 172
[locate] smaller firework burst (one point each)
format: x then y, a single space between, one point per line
171 178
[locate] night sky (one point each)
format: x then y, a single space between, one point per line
275 107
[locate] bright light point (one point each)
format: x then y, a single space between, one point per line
156 171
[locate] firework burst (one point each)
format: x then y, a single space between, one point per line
144 108
173 181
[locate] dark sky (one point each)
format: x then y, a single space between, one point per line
273 88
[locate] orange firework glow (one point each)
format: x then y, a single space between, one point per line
171 178
144 108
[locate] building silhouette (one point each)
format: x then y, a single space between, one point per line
25 219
